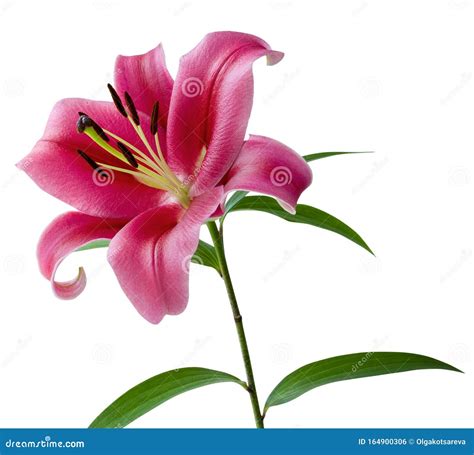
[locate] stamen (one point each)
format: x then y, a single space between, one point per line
117 101
90 162
153 181
151 170
89 131
132 109
141 156
154 119
100 131
127 154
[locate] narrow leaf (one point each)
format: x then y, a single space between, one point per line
345 367
305 214
234 199
318 156
154 391
101 243
205 254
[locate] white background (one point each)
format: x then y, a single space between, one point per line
394 77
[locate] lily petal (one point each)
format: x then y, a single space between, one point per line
151 255
65 234
269 167
56 167
211 104
146 78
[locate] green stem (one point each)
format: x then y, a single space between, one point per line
218 240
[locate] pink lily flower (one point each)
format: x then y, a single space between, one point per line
148 169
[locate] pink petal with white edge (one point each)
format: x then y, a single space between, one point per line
151 255
65 234
269 167
146 78
211 103
56 167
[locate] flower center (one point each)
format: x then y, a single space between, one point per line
150 169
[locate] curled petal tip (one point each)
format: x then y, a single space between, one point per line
273 57
23 164
287 207
68 290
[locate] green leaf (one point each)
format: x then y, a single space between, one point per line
304 214
154 391
102 243
234 199
205 254
318 156
345 367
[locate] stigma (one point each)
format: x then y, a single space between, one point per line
150 168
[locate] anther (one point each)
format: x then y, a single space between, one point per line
117 101
89 161
127 154
154 119
132 109
100 131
